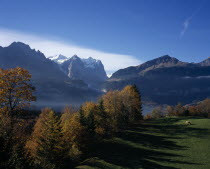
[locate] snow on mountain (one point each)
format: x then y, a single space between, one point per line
90 62
58 58
89 70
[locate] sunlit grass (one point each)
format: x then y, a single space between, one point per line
162 143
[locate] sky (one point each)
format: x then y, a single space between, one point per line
120 33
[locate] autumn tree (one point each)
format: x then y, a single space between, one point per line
5 139
180 109
203 108
13 136
157 112
170 111
193 110
113 105
15 90
89 110
132 103
45 145
67 113
101 119
94 118
75 135
123 107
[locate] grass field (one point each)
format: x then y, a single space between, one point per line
165 143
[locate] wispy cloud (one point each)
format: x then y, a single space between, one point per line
185 26
50 47
187 21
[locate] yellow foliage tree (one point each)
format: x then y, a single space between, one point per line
89 110
122 107
101 118
15 90
45 145
113 106
132 103
74 134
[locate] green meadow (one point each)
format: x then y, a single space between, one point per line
166 143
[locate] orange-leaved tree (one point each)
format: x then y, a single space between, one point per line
131 99
45 145
15 89
114 107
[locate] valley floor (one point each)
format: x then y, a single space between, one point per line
165 143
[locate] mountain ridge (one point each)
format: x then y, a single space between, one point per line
165 80
160 62
53 86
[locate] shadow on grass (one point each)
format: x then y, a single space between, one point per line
136 147
168 127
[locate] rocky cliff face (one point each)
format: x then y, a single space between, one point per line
90 70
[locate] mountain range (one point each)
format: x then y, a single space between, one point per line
53 87
90 70
62 80
166 80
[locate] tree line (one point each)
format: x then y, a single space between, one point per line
57 140
200 109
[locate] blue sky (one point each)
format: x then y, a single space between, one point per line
128 31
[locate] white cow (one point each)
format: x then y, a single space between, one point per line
188 123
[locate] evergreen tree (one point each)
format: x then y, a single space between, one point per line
102 118
139 98
82 118
91 126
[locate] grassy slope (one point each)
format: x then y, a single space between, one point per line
163 143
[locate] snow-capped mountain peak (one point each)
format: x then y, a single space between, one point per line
90 62
90 70
58 58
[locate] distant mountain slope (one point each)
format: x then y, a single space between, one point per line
163 61
20 54
205 62
166 80
89 70
52 84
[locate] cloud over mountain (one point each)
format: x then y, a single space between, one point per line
51 46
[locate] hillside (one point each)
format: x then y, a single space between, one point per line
166 80
163 143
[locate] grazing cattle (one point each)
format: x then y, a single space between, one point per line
188 123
